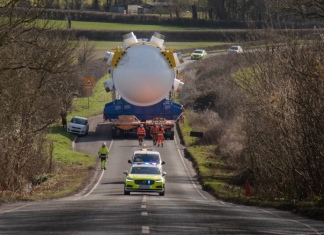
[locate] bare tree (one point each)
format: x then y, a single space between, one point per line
306 8
39 77
283 125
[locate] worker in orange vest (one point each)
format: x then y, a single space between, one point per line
154 133
141 133
160 136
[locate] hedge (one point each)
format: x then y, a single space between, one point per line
175 36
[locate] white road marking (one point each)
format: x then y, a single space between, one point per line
17 208
143 206
144 213
175 140
144 199
95 186
296 221
145 229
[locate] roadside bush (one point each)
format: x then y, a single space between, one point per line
209 123
284 117
216 104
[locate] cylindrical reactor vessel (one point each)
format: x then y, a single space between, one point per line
143 76
143 71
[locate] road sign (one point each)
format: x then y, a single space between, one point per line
181 77
88 83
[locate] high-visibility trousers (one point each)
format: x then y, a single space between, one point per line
160 138
140 136
154 136
103 160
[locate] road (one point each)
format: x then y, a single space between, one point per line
102 208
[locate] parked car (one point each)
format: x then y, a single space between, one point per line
235 49
198 54
78 125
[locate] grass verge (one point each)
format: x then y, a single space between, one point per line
121 26
94 104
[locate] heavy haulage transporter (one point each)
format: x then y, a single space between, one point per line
143 83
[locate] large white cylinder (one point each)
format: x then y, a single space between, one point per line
143 77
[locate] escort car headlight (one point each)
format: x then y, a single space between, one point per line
128 179
159 180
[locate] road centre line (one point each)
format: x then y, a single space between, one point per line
143 206
144 213
145 229
175 140
144 199
95 186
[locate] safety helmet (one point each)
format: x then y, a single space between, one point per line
141 125
104 144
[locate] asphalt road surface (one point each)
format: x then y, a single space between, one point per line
102 208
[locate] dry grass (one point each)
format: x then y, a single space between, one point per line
63 181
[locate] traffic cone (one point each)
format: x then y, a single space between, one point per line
247 189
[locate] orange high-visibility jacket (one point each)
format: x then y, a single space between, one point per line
154 130
141 131
160 132
160 135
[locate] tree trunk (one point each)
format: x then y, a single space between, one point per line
194 12
210 13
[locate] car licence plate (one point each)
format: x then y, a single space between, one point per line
144 186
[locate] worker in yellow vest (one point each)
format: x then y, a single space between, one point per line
103 155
